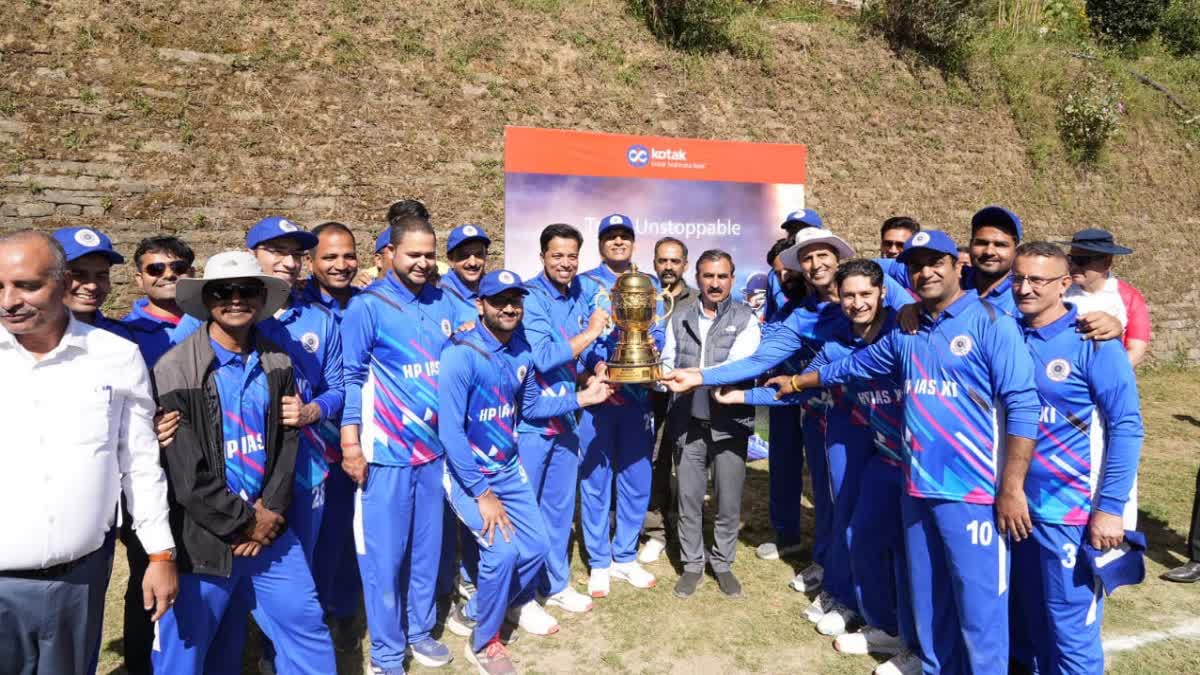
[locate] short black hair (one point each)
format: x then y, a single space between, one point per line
560 231
406 207
405 224
670 240
333 226
172 246
713 255
899 223
859 267
1041 249
778 247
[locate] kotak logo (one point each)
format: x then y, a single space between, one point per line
640 155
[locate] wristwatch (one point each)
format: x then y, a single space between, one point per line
163 556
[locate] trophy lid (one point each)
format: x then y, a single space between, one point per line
634 281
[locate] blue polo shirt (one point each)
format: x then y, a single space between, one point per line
314 294
961 372
895 270
309 334
155 335
486 388
392 341
115 327
552 318
245 397
632 396
776 297
1090 429
1001 297
456 289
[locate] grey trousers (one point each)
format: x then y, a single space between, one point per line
728 459
50 626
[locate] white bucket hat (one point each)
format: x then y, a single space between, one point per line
810 236
189 292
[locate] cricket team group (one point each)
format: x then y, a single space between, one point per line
290 436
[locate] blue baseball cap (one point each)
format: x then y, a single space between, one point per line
932 240
997 216
806 218
384 239
81 241
1121 566
278 227
613 221
464 233
495 283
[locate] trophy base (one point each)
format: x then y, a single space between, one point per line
634 374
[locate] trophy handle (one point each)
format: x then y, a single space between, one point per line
671 301
603 292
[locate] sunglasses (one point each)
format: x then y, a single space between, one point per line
179 267
1083 260
226 292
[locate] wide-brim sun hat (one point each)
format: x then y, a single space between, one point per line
1096 240
811 236
228 266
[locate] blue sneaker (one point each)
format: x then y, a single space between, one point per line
380 670
431 653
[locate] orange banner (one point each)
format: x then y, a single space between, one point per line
575 153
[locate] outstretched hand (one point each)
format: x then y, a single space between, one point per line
682 380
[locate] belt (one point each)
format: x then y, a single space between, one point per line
53 572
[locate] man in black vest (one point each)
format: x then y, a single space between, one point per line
710 332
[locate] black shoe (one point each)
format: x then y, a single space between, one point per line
458 622
687 584
729 584
1184 574
346 637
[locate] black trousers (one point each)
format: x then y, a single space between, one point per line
53 625
1194 533
139 630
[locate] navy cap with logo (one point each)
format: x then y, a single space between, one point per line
804 218
613 221
80 241
278 227
1000 217
384 239
929 240
464 233
1121 566
499 281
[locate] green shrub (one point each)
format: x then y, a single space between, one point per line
1088 116
693 25
1125 22
941 31
1180 28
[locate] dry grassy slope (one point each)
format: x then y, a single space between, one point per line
199 117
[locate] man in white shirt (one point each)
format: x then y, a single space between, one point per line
708 333
78 410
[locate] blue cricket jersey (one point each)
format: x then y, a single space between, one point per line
486 388
552 318
958 369
155 335
456 289
243 390
634 396
309 334
895 270
314 294
1090 429
1001 297
111 325
392 342
776 297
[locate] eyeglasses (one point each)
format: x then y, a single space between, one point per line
1083 260
1036 282
179 267
226 292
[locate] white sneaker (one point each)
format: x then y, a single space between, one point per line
533 619
817 609
836 620
569 600
809 579
904 663
633 574
869 640
650 551
598 583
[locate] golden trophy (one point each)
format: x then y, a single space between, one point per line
634 301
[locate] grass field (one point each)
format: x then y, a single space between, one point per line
653 632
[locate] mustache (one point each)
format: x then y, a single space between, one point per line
5 314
